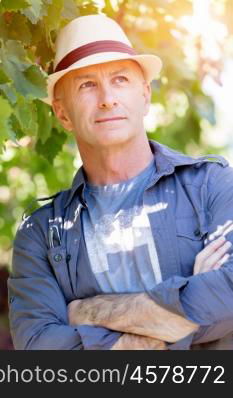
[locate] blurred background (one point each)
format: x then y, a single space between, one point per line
191 109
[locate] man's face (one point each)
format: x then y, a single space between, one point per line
85 98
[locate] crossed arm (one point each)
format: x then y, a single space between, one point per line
136 314
144 323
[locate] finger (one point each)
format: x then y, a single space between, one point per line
227 230
221 230
206 259
210 249
221 262
217 255
203 268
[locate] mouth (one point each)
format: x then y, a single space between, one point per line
110 119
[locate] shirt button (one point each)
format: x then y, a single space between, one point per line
197 232
12 299
57 257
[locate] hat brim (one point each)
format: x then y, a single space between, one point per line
151 65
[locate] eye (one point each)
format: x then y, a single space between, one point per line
121 79
87 84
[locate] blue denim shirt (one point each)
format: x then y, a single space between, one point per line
193 197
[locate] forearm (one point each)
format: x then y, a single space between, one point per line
38 320
131 313
130 341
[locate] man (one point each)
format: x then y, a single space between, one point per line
134 255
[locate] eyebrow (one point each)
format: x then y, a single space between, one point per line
92 76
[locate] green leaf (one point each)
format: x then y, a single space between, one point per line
29 80
13 55
26 113
18 132
53 18
45 118
44 52
5 128
18 29
14 5
11 132
3 28
52 146
35 12
3 77
36 82
9 92
70 10
5 109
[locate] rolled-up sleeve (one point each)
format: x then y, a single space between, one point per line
37 307
207 298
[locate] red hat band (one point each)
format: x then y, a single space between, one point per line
95 47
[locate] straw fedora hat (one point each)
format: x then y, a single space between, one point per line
95 39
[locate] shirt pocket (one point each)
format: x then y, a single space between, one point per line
59 262
190 242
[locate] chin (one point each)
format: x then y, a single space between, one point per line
113 138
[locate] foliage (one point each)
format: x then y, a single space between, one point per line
5 338
38 157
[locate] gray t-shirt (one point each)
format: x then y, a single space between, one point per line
118 237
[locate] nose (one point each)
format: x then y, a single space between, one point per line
107 99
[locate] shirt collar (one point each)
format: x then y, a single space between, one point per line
169 158
78 184
166 159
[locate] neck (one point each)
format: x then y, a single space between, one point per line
114 165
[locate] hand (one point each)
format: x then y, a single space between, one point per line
213 256
130 341
72 311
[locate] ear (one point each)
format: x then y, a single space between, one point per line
147 96
62 114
